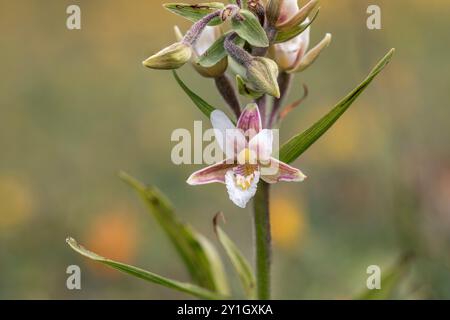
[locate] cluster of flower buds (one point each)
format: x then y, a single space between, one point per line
293 55
258 39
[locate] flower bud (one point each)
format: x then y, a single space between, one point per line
312 55
172 57
291 15
262 74
287 9
288 54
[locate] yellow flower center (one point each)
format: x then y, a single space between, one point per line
244 182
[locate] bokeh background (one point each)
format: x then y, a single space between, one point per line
77 106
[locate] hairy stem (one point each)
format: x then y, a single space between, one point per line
237 53
228 93
197 28
261 52
263 242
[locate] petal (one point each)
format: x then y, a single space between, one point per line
250 120
214 173
288 54
280 171
239 196
261 144
288 9
230 139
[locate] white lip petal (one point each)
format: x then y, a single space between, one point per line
239 196
230 139
261 144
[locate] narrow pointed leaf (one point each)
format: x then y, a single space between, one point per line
292 149
217 52
390 280
194 12
312 55
188 288
203 106
198 254
247 26
298 17
238 261
283 36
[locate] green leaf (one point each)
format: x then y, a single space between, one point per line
390 281
283 36
204 106
237 259
217 52
146 275
247 26
198 254
243 2
195 12
245 90
292 149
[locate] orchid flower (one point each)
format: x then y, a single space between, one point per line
292 55
248 151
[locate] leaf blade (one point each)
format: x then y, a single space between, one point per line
188 288
247 26
298 144
198 254
195 12
240 264
283 36
201 104
217 52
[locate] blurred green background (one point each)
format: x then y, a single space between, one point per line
77 107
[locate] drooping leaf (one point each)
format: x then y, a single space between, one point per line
286 35
238 261
194 12
390 280
292 149
203 106
188 288
247 26
217 52
198 254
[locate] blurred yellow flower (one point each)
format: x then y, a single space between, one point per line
16 202
288 222
113 235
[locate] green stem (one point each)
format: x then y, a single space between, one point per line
262 240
